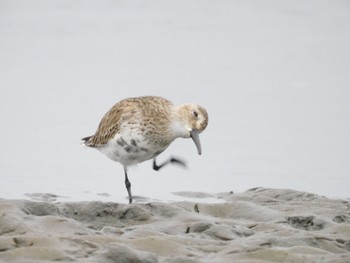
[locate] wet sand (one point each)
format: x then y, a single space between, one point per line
259 225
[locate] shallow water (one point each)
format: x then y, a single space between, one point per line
272 75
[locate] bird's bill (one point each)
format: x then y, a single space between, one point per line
195 138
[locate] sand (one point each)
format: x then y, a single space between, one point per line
259 225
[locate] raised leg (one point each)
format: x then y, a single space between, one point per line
128 185
171 160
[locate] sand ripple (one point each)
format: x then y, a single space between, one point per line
260 225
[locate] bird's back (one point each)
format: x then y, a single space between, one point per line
145 112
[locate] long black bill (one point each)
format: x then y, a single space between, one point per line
195 138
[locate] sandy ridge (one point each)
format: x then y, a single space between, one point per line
260 225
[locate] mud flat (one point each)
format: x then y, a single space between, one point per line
259 225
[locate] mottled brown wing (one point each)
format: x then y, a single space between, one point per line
124 111
108 126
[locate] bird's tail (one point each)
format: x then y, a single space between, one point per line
87 141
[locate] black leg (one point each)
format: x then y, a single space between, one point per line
128 185
171 160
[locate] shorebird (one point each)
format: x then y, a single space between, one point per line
138 129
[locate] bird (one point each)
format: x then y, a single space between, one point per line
138 129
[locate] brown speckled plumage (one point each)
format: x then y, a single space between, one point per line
150 110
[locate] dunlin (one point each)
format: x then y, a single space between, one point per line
138 129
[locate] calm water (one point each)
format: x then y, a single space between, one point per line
274 77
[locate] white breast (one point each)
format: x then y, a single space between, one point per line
129 150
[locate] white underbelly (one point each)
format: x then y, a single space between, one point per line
129 151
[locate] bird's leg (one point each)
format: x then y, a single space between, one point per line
128 185
170 160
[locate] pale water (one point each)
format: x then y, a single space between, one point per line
273 75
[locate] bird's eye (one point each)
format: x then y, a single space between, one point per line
195 114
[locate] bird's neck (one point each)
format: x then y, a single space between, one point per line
179 127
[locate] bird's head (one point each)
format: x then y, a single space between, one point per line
194 120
